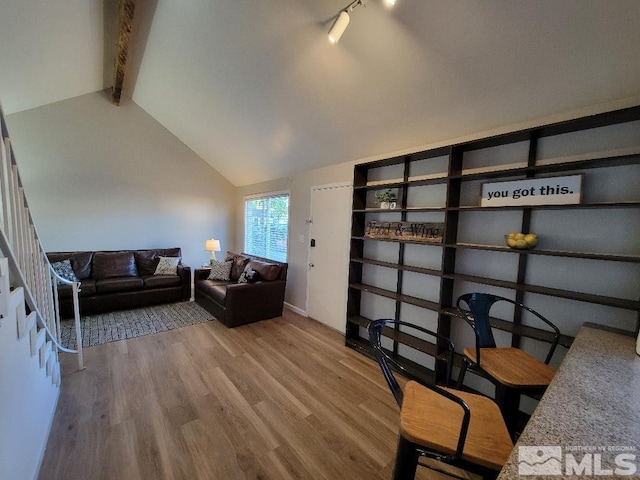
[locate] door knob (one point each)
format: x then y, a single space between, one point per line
311 265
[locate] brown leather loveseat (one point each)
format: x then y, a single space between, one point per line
112 280
234 303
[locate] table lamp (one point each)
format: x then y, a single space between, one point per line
212 246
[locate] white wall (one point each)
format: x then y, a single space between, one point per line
101 177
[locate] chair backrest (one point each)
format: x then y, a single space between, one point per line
385 360
480 304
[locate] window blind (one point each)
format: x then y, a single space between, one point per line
266 226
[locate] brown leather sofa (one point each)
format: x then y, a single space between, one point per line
113 280
234 303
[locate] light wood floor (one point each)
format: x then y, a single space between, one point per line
278 399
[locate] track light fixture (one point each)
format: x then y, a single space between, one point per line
341 23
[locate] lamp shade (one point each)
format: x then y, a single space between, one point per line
212 245
339 26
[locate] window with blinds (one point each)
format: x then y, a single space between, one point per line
266 226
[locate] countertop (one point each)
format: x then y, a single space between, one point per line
591 408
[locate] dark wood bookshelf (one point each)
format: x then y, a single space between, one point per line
455 179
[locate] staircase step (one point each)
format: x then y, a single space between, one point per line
49 363
4 287
55 377
45 352
30 322
38 341
16 304
21 319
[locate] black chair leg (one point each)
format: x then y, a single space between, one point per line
406 460
508 399
462 373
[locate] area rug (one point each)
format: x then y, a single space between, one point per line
123 324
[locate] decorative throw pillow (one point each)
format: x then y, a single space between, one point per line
249 275
65 270
220 270
167 266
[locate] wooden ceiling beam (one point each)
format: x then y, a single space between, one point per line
125 21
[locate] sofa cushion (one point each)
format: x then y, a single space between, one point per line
146 261
80 262
217 291
118 284
64 270
167 266
239 262
220 270
114 264
267 271
169 252
87 288
160 281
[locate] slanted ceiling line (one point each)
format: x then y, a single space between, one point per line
125 20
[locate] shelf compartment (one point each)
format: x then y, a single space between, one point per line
395 266
614 158
415 242
399 297
597 205
607 158
414 370
400 210
383 185
519 330
414 342
419 182
553 253
553 292
419 344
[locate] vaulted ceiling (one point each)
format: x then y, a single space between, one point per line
256 90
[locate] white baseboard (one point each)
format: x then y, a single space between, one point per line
297 310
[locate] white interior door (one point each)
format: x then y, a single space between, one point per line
328 270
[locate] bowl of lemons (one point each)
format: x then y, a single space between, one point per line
521 241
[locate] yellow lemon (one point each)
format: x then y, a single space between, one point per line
512 235
511 242
519 236
520 243
531 239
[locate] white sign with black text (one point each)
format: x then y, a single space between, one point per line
565 190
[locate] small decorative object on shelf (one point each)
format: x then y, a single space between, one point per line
386 198
521 241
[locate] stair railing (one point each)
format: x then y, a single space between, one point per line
28 262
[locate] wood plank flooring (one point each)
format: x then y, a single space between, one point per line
278 399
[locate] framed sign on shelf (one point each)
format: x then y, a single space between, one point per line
405 231
564 190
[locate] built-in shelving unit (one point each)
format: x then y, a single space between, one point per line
419 282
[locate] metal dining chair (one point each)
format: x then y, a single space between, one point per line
511 370
457 428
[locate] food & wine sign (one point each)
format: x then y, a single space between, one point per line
405 231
